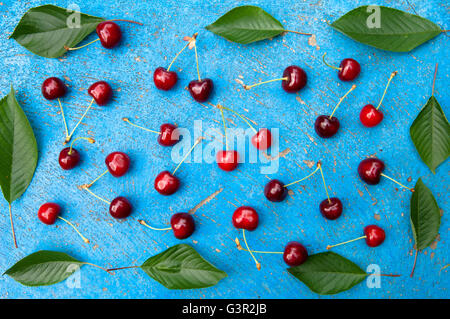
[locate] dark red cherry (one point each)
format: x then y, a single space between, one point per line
183 225
245 217
201 90
227 160
295 254
109 34
101 92
53 88
326 127
296 79
349 70
164 80
68 159
48 213
120 207
370 170
374 235
275 191
370 116
262 140
168 136
166 184
117 163
331 209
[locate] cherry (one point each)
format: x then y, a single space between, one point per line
183 225
120 207
109 34
262 140
164 79
166 183
68 158
168 136
331 208
201 89
370 116
325 126
295 79
295 254
227 160
370 170
349 69
48 213
101 92
275 191
374 235
53 88
117 163
245 217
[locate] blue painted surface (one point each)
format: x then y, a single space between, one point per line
129 69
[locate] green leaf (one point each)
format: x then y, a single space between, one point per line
424 215
43 268
328 273
246 24
397 31
430 133
18 149
181 267
45 30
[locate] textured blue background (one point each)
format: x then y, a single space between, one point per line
129 69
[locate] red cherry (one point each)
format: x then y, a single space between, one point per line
53 88
164 80
101 92
201 90
296 79
374 235
262 140
117 163
109 34
68 159
275 191
349 70
168 136
326 127
48 213
245 217
331 209
295 254
183 225
370 116
227 160
370 170
120 207
166 184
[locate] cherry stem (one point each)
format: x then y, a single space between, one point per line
239 247
258 265
411 189
386 275
96 266
341 99
100 176
12 227
64 118
125 119
387 85
434 78
81 119
185 156
73 226
96 196
187 44
80 47
248 87
329 65
196 61
241 116
130 21
143 223
297 32
114 269
317 168
414 266
90 140
224 129
345 242
324 184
